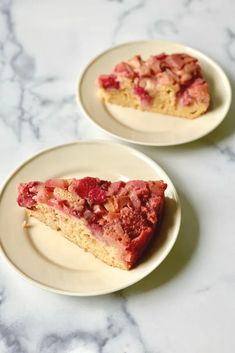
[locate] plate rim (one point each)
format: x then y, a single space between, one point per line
154 266
78 91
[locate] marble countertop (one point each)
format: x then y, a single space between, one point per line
187 304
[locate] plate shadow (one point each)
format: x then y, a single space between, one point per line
180 255
227 127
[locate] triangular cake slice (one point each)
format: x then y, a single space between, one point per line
114 221
168 84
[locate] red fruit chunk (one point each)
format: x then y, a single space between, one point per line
108 82
49 188
26 194
115 187
76 212
161 56
63 204
123 69
185 98
188 59
199 82
56 183
99 210
135 62
154 64
132 221
97 196
104 184
145 98
91 189
198 90
83 186
175 61
89 216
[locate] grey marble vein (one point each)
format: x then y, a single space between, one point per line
162 27
188 3
137 5
230 44
120 1
123 324
28 108
2 295
20 64
10 340
202 290
191 8
121 335
55 343
134 324
227 279
227 151
170 26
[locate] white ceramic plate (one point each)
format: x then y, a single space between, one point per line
51 261
151 128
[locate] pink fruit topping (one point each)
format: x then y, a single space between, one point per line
26 194
121 211
91 189
97 196
125 70
120 214
196 91
179 70
143 95
56 183
108 82
83 186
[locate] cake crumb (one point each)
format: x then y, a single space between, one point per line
26 225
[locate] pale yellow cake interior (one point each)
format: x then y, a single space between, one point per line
164 102
76 231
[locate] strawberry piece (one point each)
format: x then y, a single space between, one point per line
175 61
161 56
83 186
135 62
108 81
145 98
27 193
97 196
56 183
115 187
123 69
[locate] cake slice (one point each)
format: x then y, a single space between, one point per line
113 221
168 84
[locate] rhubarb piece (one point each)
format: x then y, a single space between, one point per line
113 221
168 84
